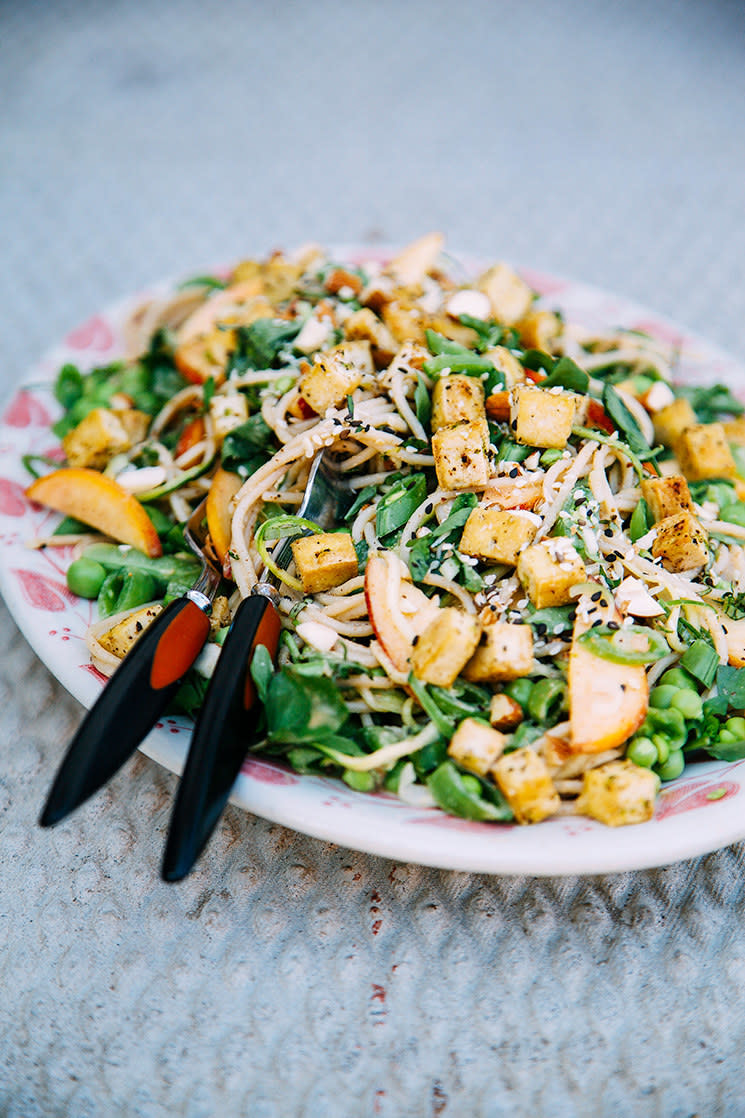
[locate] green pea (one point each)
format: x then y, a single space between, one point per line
519 690
736 726
679 677
662 696
672 767
642 751
690 705
662 746
85 577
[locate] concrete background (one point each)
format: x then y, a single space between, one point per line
287 976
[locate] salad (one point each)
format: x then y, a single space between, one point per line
533 602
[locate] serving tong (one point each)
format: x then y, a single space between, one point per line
149 676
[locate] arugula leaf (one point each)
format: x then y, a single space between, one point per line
731 686
251 444
567 374
536 359
302 709
625 422
712 403
259 344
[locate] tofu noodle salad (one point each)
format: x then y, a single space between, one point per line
534 604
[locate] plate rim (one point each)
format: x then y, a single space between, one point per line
268 795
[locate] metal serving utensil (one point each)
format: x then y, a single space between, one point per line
227 722
140 689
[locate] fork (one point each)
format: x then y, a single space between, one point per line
227 721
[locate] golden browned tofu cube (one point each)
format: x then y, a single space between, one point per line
502 359
671 421
418 259
135 423
460 456
526 784
504 712
539 330
666 496
228 411
120 638
364 325
497 534
457 399
335 375
703 452
509 295
476 746
504 652
541 417
734 430
441 651
548 570
406 320
618 793
681 542
324 560
96 439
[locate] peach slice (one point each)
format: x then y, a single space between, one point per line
224 487
100 501
397 609
607 702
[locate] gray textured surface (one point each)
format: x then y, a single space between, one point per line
286 976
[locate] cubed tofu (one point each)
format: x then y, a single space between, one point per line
96 439
734 635
734 430
364 325
618 793
504 652
228 411
335 375
324 560
502 359
457 399
526 784
509 295
476 746
666 496
445 646
539 330
120 638
703 452
406 320
418 259
504 712
671 421
548 570
681 542
497 534
136 423
541 417
460 454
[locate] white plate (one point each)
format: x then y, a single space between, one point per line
701 812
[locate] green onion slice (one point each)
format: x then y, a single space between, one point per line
621 646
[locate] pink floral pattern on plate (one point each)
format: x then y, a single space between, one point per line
698 813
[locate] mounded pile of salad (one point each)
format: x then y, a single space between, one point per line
535 604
